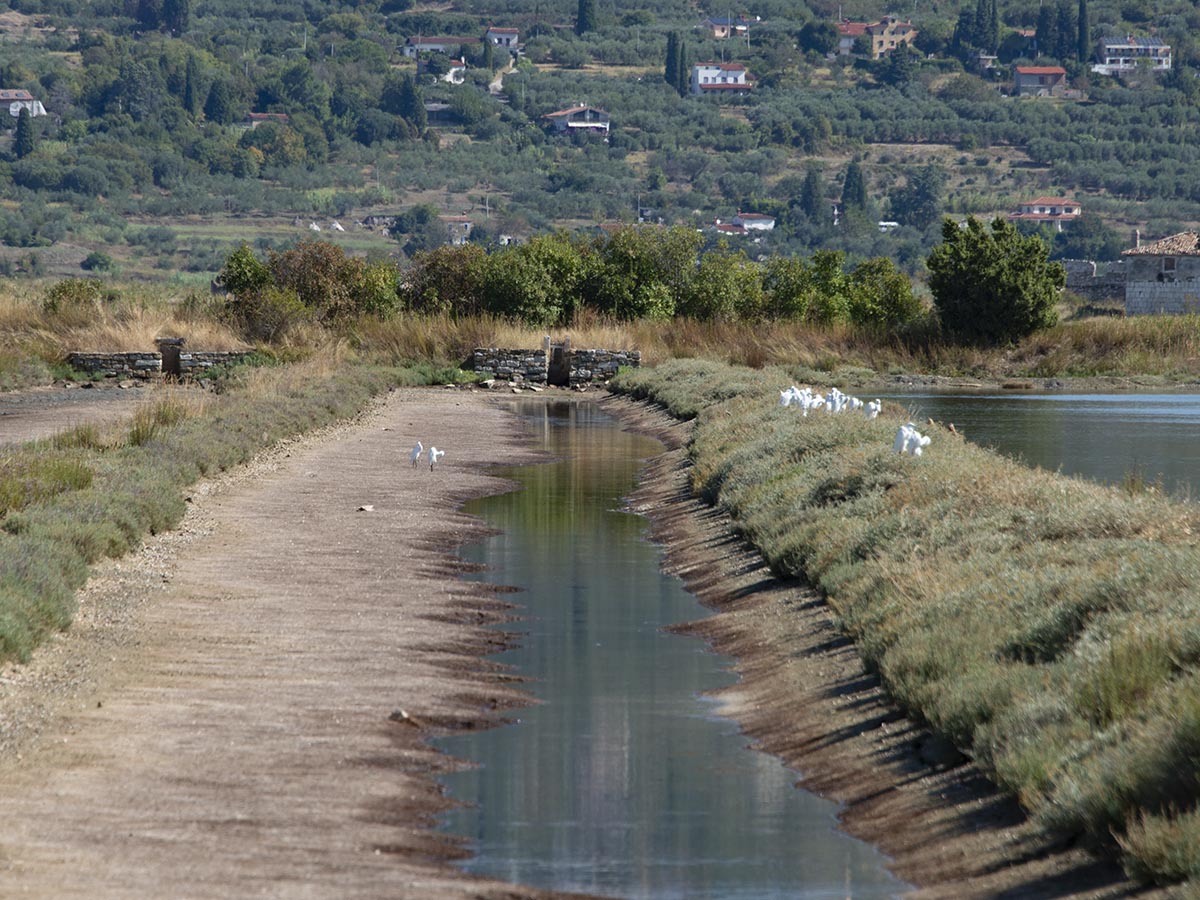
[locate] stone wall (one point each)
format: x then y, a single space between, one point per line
117 365
1149 290
1096 281
510 365
587 366
583 366
145 365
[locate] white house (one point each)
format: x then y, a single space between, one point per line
458 229
1127 53
1054 210
754 221
719 78
415 46
17 100
579 118
503 37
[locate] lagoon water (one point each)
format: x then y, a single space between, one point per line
1104 437
621 780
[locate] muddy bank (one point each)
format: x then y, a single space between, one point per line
803 695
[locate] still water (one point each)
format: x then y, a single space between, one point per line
1104 437
621 780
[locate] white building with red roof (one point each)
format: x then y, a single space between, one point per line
579 118
1054 210
720 78
17 99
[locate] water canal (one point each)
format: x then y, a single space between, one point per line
622 780
1104 437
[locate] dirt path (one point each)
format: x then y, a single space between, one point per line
224 718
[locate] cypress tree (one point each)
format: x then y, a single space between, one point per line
23 142
854 189
585 20
411 103
671 67
1083 43
682 73
191 86
812 196
176 15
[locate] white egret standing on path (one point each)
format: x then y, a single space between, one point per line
434 455
416 453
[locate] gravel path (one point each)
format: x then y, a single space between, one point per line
242 707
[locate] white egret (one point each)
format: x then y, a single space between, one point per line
873 409
434 455
415 456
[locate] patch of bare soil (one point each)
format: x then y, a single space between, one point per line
244 706
804 696
42 412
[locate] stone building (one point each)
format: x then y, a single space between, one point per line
1163 277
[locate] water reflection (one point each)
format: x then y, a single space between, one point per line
1104 437
621 781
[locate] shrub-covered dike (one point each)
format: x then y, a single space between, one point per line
1046 625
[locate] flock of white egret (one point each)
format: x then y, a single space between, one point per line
908 441
431 457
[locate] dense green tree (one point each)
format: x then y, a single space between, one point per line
1083 48
881 295
671 65
818 36
992 286
812 195
176 15
1088 237
24 142
854 188
585 18
919 201
683 73
985 34
221 104
1066 30
728 286
1046 35
899 66
191 86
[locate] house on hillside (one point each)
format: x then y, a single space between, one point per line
1039 81
889 33
727 27
508 38
1126 54
754 221
1163 277
579 118
848 33
16 100
458 229
455 74
1054 210
254 119
415 46
719 78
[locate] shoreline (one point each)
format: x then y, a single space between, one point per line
803 695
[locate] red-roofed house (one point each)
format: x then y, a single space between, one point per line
16 100
579 118
1161 277
502 37
848 33
719 78
1039 81
1049 209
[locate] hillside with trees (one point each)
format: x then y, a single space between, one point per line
147 155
